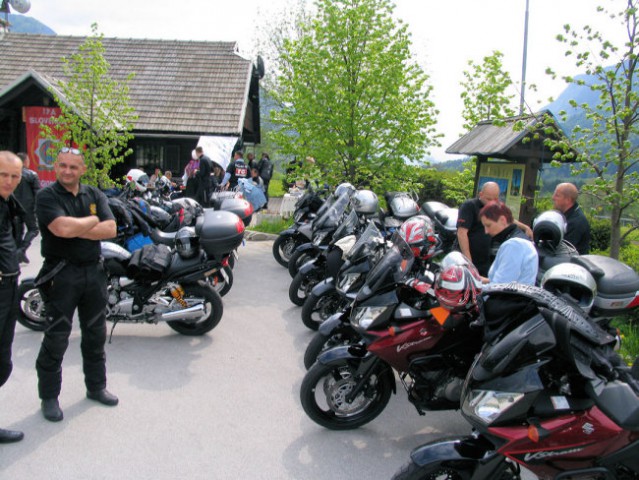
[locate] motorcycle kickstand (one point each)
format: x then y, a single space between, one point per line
115 322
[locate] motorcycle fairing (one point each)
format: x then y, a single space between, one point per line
323 287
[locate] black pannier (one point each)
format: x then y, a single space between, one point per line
149 262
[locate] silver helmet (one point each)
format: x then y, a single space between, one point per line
365 202
572 281
549 229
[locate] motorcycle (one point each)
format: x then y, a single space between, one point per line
311 204
336 292
445 221
402 330
549 394
178 294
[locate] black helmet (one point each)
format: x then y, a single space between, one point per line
187 242
549 229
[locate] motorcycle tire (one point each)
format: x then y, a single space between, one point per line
223 287
320 343
296 261
634 371
299 289
325 387
194 294
317 309
31 307
283 248
412 471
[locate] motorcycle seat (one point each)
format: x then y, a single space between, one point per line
163 238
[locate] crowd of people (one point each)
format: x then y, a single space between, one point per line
72 218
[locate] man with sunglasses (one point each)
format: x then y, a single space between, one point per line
10 213
73 218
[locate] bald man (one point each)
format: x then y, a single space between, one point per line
10 213
564 199
472 240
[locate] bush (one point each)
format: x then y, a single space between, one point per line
599 234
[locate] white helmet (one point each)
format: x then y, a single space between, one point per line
454 258
549 228
365 202
137 179
343 188
572 281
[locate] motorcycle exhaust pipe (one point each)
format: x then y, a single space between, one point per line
186 314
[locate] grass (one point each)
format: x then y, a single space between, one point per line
629 340
276 225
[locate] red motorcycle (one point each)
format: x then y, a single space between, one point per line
401 329
550 395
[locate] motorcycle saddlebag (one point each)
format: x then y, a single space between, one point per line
617 289
149 262
220 232
240 207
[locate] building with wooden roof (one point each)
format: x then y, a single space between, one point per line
181 90
511 153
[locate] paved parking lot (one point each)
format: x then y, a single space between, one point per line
220 406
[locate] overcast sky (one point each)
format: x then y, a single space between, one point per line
446 35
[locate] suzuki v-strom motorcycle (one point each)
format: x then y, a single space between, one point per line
550 395
177 293
401 330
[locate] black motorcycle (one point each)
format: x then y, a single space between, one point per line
176 291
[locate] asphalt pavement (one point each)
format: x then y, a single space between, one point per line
221 406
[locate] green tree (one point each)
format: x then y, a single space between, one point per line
485 97
95 112
607 141
351 97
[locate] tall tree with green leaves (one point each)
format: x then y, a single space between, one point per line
352 97
485 97
607 141
95 112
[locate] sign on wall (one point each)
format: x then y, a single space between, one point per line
38 148
509 176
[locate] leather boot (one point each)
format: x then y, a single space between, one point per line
51 410
104 397
10 436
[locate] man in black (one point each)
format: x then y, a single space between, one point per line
203 195
265 167
236 169
25 194
472 240
577 233
10 211
73 218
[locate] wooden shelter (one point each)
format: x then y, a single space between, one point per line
511 153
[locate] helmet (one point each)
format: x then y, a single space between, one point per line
403 207
420 235
572 281
458 287
549 228
454 258
365 201
187 243
137 179
163 183
343 188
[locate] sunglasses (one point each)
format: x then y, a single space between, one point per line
73 151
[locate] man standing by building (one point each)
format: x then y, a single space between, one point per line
10 211
234 171
26 193
577 233
73 218
472 240
203 195
265 167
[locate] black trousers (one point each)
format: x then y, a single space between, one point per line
8 315
84 288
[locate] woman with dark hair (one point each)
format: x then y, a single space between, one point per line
517 259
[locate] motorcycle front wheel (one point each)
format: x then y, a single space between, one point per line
320 343
297 260
412 471
283 248
199 295
325 388
300 287
317 309
31 307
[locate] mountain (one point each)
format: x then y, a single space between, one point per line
23 24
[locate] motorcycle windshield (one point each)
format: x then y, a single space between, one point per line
333 214
347 227
365 244
392 267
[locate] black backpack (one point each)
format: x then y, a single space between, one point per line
266 169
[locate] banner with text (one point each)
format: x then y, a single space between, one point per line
38 148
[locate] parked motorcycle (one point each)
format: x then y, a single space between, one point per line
549 394
175 293
401 330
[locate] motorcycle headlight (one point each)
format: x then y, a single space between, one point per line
363 317
318 238
346 281
487 405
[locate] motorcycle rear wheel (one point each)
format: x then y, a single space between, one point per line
223 287
318 309
31 307
325 387
283 248
195 294
320 343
